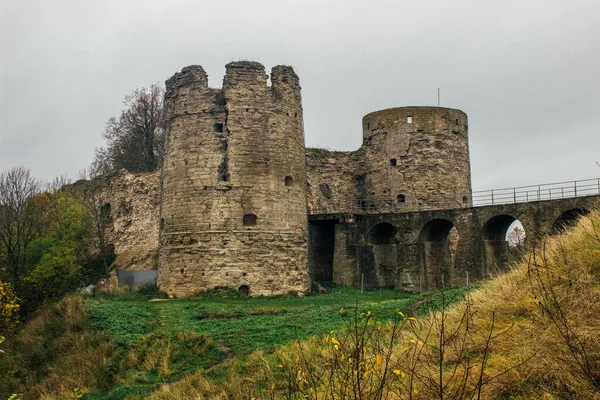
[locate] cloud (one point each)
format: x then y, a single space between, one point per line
524 72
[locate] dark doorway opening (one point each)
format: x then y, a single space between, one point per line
383 233
321 250
382 238
438 242
105 214
249 220
503 239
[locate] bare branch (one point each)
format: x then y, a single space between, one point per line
19 215
135 140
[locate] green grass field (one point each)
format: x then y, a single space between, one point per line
242 324
141 343
227 327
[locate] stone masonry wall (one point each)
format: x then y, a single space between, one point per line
234 183
456 243
334 180
132 205
421 153
412 158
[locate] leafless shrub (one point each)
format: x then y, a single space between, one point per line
19 216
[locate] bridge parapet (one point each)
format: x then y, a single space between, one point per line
383 205
546 191
421 250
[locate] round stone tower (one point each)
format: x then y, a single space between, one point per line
234 183
417 158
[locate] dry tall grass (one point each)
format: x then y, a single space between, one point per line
54 354
531 333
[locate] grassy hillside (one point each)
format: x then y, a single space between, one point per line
532 333
125 346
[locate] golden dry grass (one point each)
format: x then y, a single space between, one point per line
54 353
532 333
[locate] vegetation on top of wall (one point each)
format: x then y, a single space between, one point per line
322 151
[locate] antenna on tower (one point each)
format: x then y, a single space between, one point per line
438 97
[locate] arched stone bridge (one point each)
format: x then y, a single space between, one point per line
423 250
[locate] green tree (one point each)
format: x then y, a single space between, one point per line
57 272
57 257
9 308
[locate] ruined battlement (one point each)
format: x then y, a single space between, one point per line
192 77
415 119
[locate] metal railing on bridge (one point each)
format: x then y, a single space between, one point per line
547 191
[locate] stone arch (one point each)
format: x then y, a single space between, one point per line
383 233
321 251
437 248
497 252
568 219
383 243
244 290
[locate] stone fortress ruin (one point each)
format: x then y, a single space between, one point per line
241 203
238 183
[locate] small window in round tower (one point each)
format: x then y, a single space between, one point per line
289 181
393 162
409 120
325 191
456 121
465 199
401 198
219 127
249 220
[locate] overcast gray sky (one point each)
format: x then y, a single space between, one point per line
525 71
